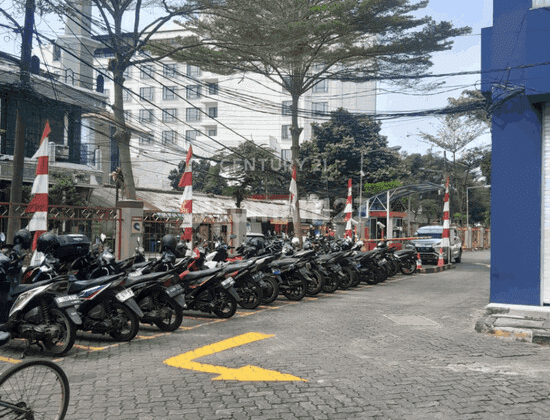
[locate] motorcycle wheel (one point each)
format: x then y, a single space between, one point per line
175 314
381 274
316 285
130 320
64 341
331 283
296 292
225 305
250 293
356 278
347 280
270 291
408 266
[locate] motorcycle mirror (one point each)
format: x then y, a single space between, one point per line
2 237
103 237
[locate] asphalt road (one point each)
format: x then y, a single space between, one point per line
406 349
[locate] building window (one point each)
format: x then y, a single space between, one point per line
56 52
146 139
192 115
319 108
169 93
193 71
540 3
147 93
169 115
193 91
191 135
146 72
213 112
146 115
286 108
127 116
168 137
321 87
286 155
126 95
285 132
212 132
170 70
127 72
213 88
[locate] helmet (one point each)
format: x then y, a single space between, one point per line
382 244
47 243
168 243
345 246
295 242
24 238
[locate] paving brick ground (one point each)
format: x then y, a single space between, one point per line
406 349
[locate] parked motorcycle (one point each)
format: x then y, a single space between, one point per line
34 312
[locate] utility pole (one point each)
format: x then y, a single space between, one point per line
14 221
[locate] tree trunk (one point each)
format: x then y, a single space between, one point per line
122 137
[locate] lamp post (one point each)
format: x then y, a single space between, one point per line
467 202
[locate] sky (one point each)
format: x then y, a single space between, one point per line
464 56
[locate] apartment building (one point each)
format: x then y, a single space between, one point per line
178 104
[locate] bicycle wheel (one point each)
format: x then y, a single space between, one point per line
34 389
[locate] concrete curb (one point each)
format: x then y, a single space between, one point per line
436 269
516 322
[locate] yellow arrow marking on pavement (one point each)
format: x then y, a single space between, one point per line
245 373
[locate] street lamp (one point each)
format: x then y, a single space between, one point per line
467 202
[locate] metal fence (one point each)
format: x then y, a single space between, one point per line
90 221
475 238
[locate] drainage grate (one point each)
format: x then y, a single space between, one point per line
410 320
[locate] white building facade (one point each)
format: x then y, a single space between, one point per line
179 104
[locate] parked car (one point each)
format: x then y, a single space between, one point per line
429 248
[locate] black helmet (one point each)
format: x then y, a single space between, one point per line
47 243
168 243
24 238
382 244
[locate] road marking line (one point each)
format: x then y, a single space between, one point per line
245 373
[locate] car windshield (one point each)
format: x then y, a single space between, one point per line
433 235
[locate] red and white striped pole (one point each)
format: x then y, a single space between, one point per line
445 243
186 202
348 212
39 203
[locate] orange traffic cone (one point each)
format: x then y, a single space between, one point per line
418 261
440 261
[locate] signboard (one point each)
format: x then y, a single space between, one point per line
137 225
278 221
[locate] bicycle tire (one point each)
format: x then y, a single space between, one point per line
38 385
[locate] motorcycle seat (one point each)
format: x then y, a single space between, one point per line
304 253
202 273
130 281
284 262
79 285
21 288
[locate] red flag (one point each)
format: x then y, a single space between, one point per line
186 203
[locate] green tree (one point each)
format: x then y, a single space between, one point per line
299 43
64 191
201 174
334 155
250 169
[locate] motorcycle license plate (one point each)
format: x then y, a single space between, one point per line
174 290
125 295
69 300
